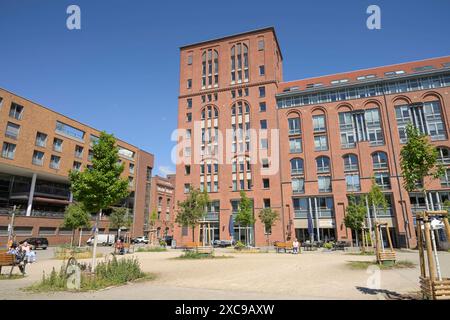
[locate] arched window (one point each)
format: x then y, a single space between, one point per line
294 125
296 166
323 164
443 155
350 163
379 160
239 63
210 69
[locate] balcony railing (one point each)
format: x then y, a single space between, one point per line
323 213
211 216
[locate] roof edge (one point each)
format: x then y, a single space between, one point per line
271 28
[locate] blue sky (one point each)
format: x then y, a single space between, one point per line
125 59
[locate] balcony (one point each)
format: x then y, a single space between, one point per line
323 214
211 216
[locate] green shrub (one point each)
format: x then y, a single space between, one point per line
328 245
239 245
110 273
192 255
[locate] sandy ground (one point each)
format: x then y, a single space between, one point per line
310 275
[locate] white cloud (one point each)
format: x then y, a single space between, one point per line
166 170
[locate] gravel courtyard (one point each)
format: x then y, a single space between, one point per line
310 275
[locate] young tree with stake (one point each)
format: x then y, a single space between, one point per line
99 187
245 216
75 217
268 217
192 209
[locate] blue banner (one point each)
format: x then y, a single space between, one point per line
231 226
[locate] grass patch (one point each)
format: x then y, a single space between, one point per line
151 249
367 253
362 265
192 255
111 273
13 276
64 253
248 250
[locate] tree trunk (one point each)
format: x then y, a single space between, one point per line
193 237
72 237
80 230
356 234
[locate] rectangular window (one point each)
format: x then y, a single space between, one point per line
263 124
264 144
266 183
189 103
90 155
261 44
262 92
189 59
57 145
298 185
445 179
324 183
38 158
383 180
76 166
262 70
131 168
47 231
65 129
187 187
352 182
54 162
8 150
320 143
262 107
16 111
93 140
319 123
295 145
188 117
189 83
12 130
78 152
41 139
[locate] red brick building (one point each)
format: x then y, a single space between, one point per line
302 147
39 147
162 202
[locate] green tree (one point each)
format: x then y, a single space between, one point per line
192 209
75 217
120 218
376 199
419 159
244 216
268 217
355 215
153 219
100 186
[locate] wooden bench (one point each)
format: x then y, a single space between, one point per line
191 245
285 246
204 250
7 260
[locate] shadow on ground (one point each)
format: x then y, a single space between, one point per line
389 295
